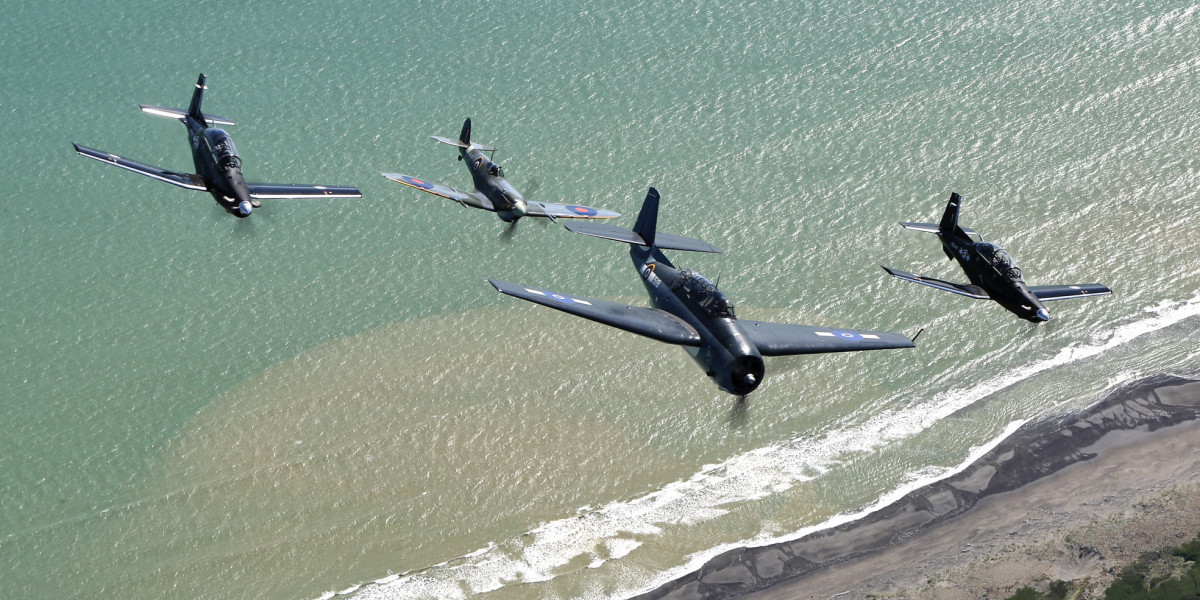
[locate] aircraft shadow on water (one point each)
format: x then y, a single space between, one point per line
993 274
218 166
492 191
688 310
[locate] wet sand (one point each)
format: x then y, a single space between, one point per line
1067 499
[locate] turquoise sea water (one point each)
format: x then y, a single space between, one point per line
329 393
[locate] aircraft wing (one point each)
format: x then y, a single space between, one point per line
779 339
276 191
933 228
1047 293
970 291
650 322
190 181
466 199
567 211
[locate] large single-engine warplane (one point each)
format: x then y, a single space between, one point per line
993 274
218 167
492 191
688 310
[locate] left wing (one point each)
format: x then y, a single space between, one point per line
189 181
475 200
1047 293
779 339
650 322
274 191
567 211
962 289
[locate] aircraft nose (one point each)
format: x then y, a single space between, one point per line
750 379
1042 315
245 208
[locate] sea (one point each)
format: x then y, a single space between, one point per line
329 399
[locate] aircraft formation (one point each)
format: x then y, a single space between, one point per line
686 309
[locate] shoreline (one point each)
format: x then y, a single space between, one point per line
930 534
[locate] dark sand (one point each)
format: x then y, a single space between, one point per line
1072 499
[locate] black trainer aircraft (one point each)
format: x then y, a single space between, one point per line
218 167
492 191
993 274
691 312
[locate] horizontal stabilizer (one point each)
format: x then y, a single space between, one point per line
1047 293
459 144
651 322
780 339
970 291
176 113
932 228
664 241
189 181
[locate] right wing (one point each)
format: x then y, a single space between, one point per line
970 291
567 211
265 191
664 241
184 180
475 200
650 322
780 339
1046 293
458 144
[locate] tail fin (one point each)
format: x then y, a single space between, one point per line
465 136
647 221
197 97
950 219
644 231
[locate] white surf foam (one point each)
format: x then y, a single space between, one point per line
755 474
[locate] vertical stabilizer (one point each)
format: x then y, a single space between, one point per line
465 136
197 97
647 221
949 222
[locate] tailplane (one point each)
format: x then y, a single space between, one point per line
193 110
644 231
949 224
464 139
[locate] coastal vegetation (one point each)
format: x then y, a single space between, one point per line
1159 575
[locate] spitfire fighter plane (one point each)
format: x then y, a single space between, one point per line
689 310
993 274
492 191
218 167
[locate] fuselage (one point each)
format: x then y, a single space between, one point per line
725 352
217 162
991 268
489 180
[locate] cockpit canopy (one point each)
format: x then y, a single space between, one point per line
999 259
222 146
495 170
704 294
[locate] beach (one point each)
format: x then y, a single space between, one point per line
1073 499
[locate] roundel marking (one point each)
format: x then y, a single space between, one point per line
413 181
846 335
582 210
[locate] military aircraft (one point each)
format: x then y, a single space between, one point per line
691 312
218 167
492 191
993 274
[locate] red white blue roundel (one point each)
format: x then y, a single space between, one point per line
586 211
413 181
